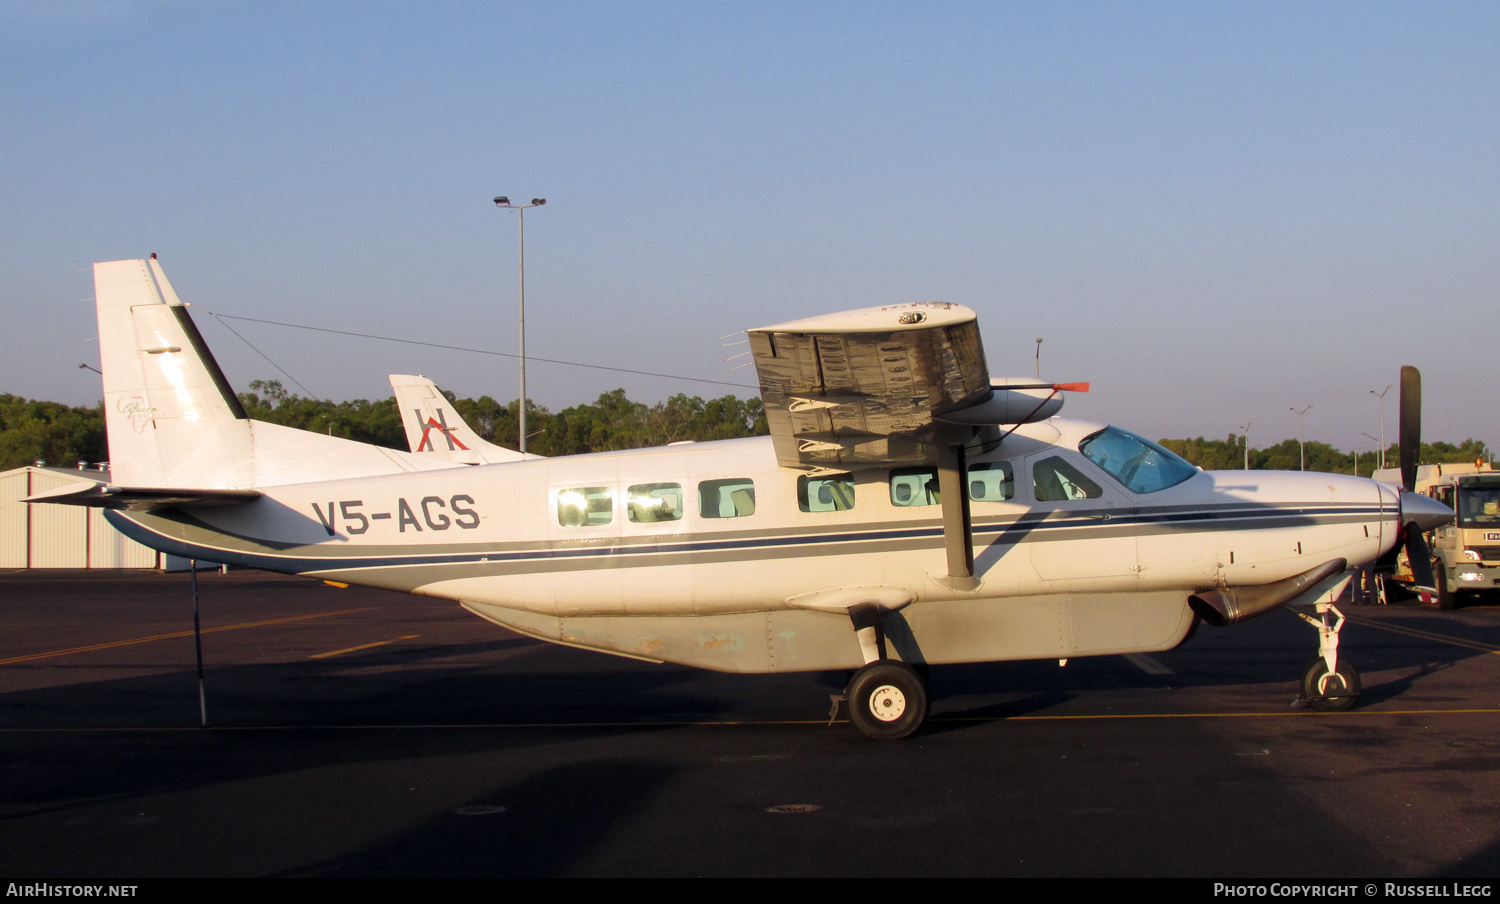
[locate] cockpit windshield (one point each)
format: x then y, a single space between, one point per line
1141 465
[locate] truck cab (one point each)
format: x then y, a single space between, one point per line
1466 552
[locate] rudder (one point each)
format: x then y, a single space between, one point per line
171 416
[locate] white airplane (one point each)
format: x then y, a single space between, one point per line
905 511
425 415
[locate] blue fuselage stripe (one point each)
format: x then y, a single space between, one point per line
985 534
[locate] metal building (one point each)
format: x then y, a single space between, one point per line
60 536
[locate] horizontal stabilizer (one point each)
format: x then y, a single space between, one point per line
102 495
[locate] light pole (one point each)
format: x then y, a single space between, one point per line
1381 395
1039 357
1374 440
503 201
1302 434
1245 432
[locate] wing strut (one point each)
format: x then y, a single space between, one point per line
958 533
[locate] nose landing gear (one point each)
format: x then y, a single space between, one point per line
1328 684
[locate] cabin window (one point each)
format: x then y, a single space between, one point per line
650 503
1141 465
585 506
991 482
914 486
1056 480
833 493
732 498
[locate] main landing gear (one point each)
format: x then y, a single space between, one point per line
1329 684
887 698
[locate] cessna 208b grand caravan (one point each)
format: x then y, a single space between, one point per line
906 510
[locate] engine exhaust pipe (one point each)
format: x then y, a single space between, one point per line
1235 604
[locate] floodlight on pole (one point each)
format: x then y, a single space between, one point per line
1373 440
1381 395
503 201
1245 434
1302 433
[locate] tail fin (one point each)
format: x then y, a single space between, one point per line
169 412
172 419
434 428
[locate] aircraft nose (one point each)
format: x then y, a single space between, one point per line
1426 512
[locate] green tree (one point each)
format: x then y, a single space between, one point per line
60 435
375 422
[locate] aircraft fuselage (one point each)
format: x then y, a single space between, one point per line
645 552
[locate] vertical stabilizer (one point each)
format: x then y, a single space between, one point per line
434 428
172 419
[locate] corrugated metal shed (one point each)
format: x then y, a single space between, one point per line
60 536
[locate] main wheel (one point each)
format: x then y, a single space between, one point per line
1339 693
887 700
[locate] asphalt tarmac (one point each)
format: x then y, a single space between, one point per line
364 733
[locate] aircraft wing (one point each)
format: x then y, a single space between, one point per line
102 495
882 386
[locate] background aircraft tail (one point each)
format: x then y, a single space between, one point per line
171 417
434 428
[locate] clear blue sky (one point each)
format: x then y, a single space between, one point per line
1214 212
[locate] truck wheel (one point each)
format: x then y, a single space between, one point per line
1446 598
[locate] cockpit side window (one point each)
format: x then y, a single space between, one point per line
1054 479
1141 465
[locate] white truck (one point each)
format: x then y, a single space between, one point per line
1466 552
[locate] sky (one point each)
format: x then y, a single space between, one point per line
1214 213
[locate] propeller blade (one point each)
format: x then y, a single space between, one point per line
1411 425
1420 559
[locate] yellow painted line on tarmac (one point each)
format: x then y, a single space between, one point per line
731 723
173 635
1425 635
364 646
1259 715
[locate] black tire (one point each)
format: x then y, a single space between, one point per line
1342 691
887 700
1446 598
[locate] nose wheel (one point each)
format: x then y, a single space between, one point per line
1329 684
887 700
1330 692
